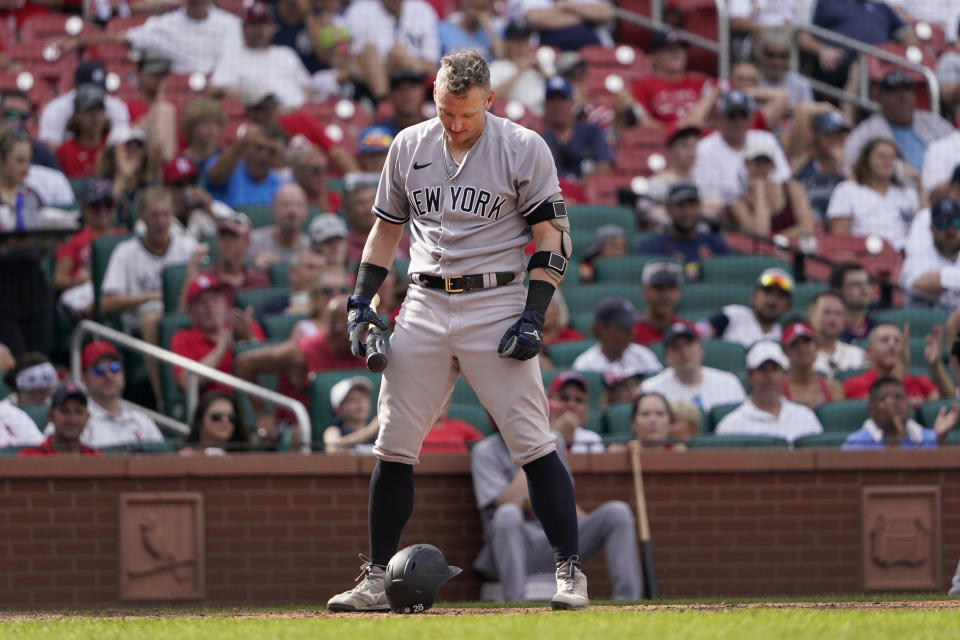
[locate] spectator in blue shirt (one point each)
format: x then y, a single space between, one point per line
869 21
579 148
889 423
683 239
244 173
473 27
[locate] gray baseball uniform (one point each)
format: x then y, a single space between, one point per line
465 219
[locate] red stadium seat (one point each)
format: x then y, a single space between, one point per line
47 27
643 137
879 68
604 189
109 51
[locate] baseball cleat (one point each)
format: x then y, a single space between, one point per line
571 586
368 595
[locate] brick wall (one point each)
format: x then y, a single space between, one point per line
288 528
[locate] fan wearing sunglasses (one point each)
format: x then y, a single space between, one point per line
747 325
217 426
111 423
931 272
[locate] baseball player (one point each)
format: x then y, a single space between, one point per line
475 189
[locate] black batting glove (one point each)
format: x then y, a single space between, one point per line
359 317
522 340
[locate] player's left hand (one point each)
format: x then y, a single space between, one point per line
522 340
360 315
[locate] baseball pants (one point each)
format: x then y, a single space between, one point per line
517 548
433 329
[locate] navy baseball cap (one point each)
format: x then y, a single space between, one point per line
90 72
401 76
616 311
830 122
65 392
897 80
516 30
663 39
734 101
683 192
678 330
662 272
945 212
95 190
558 85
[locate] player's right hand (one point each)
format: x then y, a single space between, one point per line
360 315
522 340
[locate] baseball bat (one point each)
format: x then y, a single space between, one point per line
650 588
376 351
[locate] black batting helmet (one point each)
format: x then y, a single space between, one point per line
413 577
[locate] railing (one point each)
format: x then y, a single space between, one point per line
195 371
655 23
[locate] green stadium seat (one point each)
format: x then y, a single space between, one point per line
921 320
618 418
623 269
718 354
258 297
321 412
711 296
928 411
803 294
589 217
725 441
842 415
564 353
474 414
277 326
582 322
637 239
827 440
259 214
174 279
717 414
851 373
4 389
279 274
739 268
174 402
584 297
463 393
37 413
100 251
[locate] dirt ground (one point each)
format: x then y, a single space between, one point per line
241 612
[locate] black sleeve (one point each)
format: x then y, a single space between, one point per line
719 322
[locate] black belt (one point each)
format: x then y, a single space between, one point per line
461 284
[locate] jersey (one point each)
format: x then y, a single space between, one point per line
466 219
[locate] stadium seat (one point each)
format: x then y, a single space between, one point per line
582 322
622 269
921 320
593 216
852 373
277 326
280 274
174 277
739 269
259 214
37 413
607 189
564 353
174 402
474 414
100 251
258 297
803 294
717 414
584 297
46 27
711 296
618 418
928 411
731 441
842 415
827 440
321 412
463 393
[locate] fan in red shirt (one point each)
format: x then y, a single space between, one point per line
662 287
670 93
88 124
72 266
450 435
888 355
68 414
295 359
216 330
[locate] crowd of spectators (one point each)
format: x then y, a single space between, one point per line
225 174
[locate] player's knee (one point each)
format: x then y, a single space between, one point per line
618 514
506 517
